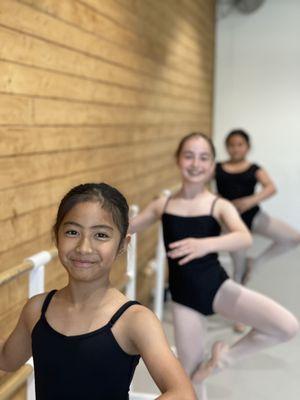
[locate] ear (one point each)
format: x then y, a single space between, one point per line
124 244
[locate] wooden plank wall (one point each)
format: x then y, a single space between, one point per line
93 90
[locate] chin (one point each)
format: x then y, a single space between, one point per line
78 277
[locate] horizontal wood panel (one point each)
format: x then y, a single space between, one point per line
25 49
57 112
39 24
32 139
21 229
21 251
166 17
17 79
15 110
107 21
37 167
50 191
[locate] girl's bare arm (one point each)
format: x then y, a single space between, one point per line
16 349
150 342
148 216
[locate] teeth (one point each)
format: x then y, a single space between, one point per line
194 173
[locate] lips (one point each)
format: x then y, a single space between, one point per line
194 173
82 263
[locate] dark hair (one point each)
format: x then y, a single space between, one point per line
238 132
109 197
191 136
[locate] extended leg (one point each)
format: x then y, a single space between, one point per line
271 323
283 237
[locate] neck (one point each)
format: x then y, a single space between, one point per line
191 190
242 161
77 292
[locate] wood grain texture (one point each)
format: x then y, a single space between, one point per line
93 90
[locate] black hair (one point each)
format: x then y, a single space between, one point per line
191 136
109 197
238 132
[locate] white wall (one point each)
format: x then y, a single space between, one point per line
257 87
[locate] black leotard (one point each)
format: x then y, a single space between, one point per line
233 186
88 366
196 283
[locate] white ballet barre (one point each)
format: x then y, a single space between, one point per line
132 259
159 266
142 396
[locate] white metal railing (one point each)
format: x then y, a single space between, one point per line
159 263
35 265
132 259
142 396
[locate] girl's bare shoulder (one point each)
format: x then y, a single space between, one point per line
223 206
159 203
32 309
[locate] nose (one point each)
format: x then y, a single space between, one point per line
195 162
84 246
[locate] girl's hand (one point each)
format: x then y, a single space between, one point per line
243 204
189 249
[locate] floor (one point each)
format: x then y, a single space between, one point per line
273 374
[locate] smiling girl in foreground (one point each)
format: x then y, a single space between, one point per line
199 285
86 339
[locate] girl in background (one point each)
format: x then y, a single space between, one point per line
236 180
199 285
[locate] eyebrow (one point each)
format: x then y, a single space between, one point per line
191 152
91 227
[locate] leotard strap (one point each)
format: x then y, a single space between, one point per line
213 205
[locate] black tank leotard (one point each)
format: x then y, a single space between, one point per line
89 366
232 186
196 283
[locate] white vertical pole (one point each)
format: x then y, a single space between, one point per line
160 269
36 286
131 259
30 390
36 281
160 275
37 274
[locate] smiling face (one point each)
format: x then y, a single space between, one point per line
237 148
88 241
196 161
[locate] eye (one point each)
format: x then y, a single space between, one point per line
101 236
71 233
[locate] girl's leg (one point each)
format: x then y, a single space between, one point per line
240 274
239 259
190 333
271 323
283 237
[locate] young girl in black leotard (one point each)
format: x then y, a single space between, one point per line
86 339
236 179
199 285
